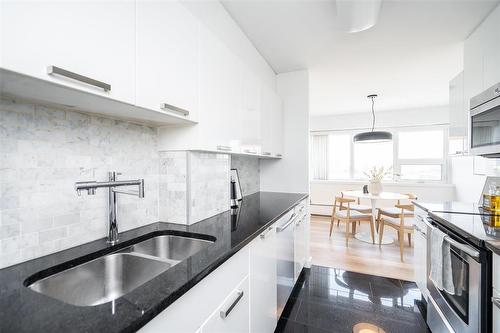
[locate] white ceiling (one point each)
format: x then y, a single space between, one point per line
408 58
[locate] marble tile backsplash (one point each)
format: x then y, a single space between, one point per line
43 152
193 186
248 172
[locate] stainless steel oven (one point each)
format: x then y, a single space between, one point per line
465 310
485 123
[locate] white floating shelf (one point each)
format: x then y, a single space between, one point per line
35 90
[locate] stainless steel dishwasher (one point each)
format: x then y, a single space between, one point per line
285 258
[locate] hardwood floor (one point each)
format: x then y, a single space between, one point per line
359 256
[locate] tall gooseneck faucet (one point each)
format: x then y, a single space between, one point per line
112 185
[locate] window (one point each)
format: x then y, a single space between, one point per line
368 155
339 157
414 155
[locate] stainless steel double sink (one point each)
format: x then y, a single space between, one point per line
113 275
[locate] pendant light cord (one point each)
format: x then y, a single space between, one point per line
373 112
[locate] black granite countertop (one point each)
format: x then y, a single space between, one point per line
23 310
472 222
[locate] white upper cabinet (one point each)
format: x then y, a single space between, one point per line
271 123
220 94
491 60
482 57
167 57
250 124
93 39
458 109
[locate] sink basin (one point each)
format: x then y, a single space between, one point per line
113 275
101 280
169 247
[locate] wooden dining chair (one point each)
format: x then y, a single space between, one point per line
349 216
395 211
402 223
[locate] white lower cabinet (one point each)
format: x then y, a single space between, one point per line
190 312
420 257
301 236
263 282
232 316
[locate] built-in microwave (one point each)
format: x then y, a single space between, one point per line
484 130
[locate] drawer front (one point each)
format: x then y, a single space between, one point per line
189 312
233 315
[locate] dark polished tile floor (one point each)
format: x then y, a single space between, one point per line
333 300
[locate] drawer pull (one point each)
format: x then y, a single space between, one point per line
54 70
169 107
266 153
283 227
279 155
264 234
250 151
224 148
225 312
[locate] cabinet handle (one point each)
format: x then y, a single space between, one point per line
279 155
283 227
54 70
249 151
266 153
224 148
225 312
170 107
264 234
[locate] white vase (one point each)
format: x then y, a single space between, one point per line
375 188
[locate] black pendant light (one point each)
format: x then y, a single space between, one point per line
372 136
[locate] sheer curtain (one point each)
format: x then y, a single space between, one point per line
319 156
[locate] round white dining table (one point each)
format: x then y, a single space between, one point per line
375 200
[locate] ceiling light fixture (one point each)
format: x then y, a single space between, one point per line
372 136
356 16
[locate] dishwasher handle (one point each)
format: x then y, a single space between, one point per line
287 224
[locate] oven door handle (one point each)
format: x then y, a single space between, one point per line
462 247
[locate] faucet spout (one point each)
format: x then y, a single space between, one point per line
111 185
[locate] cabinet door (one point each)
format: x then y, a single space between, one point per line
300 245
250 112
490 29
473 66
266 121
167 56
220 93
233 316
458 111
277 125
95 39
263 284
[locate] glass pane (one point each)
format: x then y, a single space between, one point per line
421 144
319 149
369 155
339 157
421 172
486 128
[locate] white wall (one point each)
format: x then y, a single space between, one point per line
468 186
437 115
291 173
